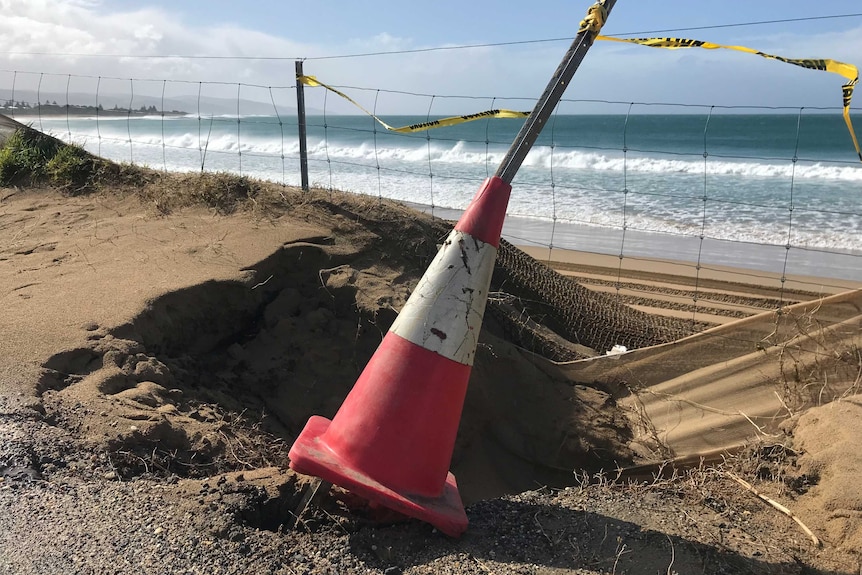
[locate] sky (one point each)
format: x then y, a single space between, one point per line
462 80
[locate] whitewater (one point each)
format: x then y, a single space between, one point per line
767 180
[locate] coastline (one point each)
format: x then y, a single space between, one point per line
84 112
752 263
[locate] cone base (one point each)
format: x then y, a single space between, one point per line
310 455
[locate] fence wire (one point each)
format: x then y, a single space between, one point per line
628 189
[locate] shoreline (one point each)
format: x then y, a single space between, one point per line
844 262
804 265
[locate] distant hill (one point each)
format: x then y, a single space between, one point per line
54 109
188 104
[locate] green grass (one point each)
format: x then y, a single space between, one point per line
25 156
30 157
72 168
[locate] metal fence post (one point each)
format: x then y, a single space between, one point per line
300 114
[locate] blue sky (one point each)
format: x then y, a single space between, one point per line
461 22
315 29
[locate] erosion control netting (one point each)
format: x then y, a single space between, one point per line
596 321
222 376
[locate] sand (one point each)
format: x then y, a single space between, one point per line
155 368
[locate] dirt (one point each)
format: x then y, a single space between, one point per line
156 368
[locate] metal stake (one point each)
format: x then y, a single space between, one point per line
300 113
546 104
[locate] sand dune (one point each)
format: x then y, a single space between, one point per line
172 352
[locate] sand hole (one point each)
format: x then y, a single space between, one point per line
222 377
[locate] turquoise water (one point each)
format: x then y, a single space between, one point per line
746 179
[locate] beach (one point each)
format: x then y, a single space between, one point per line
766 191
157 363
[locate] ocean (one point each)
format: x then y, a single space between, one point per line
712 188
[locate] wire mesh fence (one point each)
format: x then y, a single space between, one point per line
774 192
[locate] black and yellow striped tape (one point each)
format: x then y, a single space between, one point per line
595 18
848 71
441 123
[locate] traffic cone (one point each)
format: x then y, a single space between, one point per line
392 439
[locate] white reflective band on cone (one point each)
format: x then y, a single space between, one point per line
444 313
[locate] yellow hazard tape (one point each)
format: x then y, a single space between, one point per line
441 123
848 71
595 18
593 22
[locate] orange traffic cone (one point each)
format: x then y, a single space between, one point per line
392 439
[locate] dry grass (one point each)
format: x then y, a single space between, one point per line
818 361
235 442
